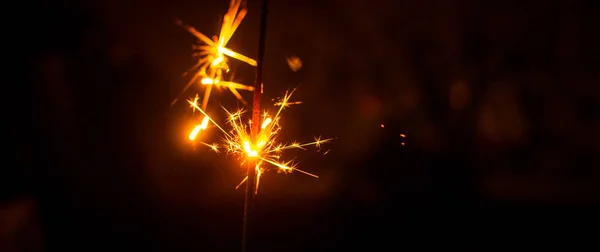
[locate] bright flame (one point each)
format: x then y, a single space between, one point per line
264 146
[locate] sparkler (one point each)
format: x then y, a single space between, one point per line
255 143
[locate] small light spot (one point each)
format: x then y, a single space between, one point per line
402 135
294 63
383 126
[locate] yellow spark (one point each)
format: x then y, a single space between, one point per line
266 122
240 57
214 147
194 132
229 84
212 62
318 141
204 123
259 172
263 147
284 103
194 104
202 126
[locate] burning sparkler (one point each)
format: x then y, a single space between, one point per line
265 150
254 143
212 64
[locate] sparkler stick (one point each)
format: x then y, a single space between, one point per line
251 169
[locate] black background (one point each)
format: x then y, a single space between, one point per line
498 101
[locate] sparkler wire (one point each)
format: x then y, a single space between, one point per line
251 170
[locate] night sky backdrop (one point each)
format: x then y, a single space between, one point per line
499 102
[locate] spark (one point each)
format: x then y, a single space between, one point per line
202 126
217 82
264 148
212 63
214 147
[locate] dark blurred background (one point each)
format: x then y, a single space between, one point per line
498 102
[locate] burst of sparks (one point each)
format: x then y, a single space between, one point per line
264 147
212 64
